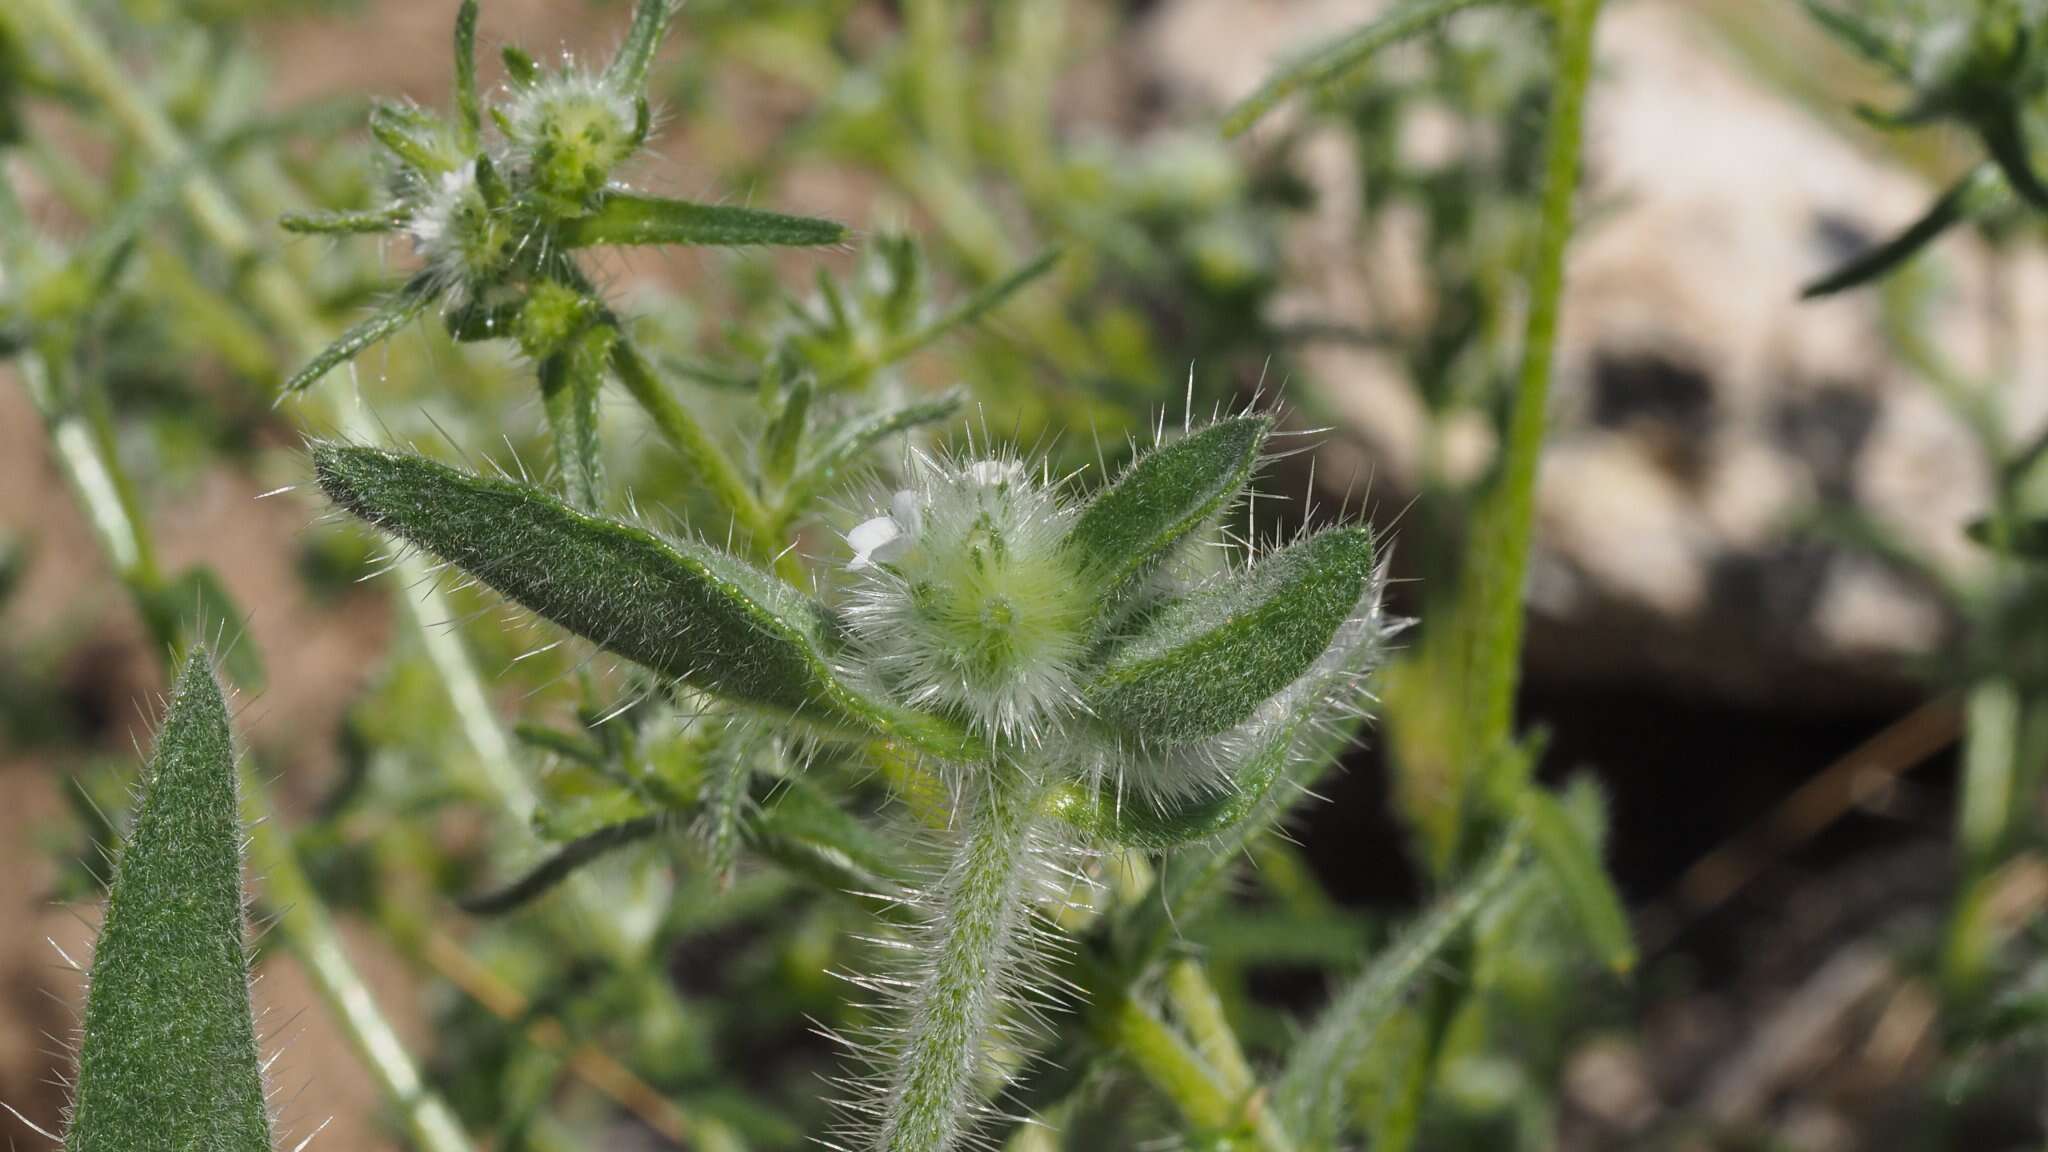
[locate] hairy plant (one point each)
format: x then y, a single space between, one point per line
1032 653
167 1057
1027 717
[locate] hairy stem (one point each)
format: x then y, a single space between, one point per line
1503 529
983 905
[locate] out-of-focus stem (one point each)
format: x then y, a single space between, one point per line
1498 562
306 927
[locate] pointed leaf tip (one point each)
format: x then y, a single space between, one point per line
1204 664
679 607
1167 495
170 977
623 218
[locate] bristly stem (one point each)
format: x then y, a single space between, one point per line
1502 530
982 907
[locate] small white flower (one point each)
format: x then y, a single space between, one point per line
884 538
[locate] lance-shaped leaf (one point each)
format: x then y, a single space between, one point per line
679 607
1203 664
1166 495
1337 61
1974 194
345 223
468 118
1154 826
845 451
385 322
169 1058
1573 860
627 72
1310 1092
624 218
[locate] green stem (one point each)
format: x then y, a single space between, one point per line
309 931
1499 552
1200 1009
955 1007
682 430
1173 1067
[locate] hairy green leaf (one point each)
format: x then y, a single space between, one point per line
1310 1091
468 114
1334 62
625 218
1150 826
169 1058
1574 863
855 439
676 606
410 301
1167 494
1203 664
628 70
416 137
344 223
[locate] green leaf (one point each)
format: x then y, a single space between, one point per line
1136 822
1859 35
628 71
624 218
410 301
344 223
1971 196
1203 664
1311 1088
676 606
1574 863
519 67
2005 138
2027 538
799 828
846 450
968 311
785 433
468 116
416 137
543 877
1335 62
169 1057
1168 494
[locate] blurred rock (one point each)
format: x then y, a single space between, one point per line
1701 410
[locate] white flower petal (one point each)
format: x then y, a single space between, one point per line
870 536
